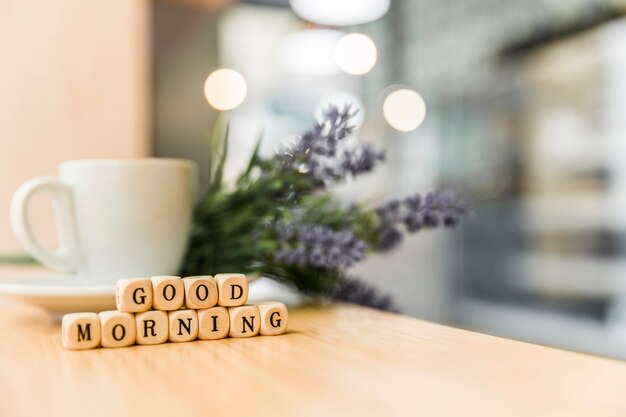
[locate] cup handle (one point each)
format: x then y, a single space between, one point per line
65 257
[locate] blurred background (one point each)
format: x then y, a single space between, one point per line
525 116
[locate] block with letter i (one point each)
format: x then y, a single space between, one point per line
274 318
232 289
152 327
117 329
213 323
133 295
245 321
80 331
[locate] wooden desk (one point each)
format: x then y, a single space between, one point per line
340 360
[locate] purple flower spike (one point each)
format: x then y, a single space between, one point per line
322 153
415 213
321 247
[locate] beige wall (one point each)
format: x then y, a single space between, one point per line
74 83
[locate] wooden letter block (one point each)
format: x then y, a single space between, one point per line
232 289
274 318
245 321
213 323
117 328
183 325
80 331
152 327
133 295
200 292
168 293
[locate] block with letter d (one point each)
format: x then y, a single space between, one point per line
232 289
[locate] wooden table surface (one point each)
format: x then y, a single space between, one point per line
339 360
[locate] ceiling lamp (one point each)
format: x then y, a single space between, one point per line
310 52
340 12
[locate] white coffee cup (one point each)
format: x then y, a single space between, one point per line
115 218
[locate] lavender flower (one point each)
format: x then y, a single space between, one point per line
388 237
322 154
415 213
389 211
358 292
320 247
360 160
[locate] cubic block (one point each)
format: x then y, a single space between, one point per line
183 325
274 318
168 293
80 331
213 323
133 295
117 329
152 327
200 292
232 289
245 321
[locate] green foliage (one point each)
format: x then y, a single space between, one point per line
232 228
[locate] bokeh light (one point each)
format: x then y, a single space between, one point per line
404 110
225 89
355 54
340 12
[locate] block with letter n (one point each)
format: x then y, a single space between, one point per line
245 321
183 325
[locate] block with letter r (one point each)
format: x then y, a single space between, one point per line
152 327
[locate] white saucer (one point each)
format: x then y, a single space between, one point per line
66 293
55 292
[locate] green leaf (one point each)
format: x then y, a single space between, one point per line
219 171
253 159
214 145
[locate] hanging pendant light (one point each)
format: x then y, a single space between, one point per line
340 12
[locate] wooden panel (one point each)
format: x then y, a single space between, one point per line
74 83
339 360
